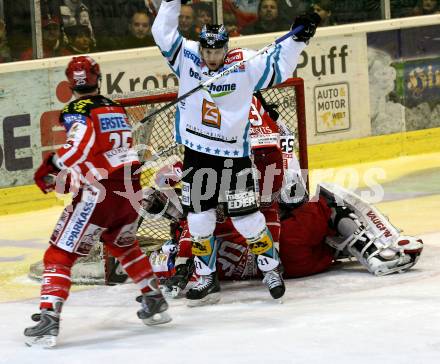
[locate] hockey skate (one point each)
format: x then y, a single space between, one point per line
153 309
180 279
45 332
273 280
205 292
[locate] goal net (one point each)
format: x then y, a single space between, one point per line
154 141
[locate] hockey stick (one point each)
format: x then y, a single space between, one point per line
224 73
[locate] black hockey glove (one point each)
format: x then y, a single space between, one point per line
309 21
270 108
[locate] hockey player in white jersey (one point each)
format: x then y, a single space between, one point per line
213 126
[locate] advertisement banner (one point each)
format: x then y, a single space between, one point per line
332 108
335 73
404 72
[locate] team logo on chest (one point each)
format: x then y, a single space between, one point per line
211 114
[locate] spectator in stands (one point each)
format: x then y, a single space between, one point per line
290 9
51 40
111 20
349 11
324 9
186 23
268 19
203 12
230 22
139 31
75 12
17 16
5 51
79 40
244 10
70 11
426 7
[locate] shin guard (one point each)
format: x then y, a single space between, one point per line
56 278
137 266
263 247
204 250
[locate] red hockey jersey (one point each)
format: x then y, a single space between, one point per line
99 139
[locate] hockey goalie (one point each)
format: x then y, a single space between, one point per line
310 234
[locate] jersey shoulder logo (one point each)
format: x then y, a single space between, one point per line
70 119
234 55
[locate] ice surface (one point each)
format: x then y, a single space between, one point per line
345 315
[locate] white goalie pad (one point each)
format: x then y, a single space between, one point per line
366 234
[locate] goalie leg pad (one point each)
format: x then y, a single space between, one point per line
368 235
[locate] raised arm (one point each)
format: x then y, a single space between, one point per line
278 64
166 34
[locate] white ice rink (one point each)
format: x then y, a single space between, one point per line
342 316
345 315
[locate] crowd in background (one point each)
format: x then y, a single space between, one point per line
72 27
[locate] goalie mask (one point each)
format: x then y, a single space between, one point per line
83 74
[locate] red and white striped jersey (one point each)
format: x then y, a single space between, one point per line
99 139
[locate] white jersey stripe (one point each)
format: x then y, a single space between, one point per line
57 275
131 262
